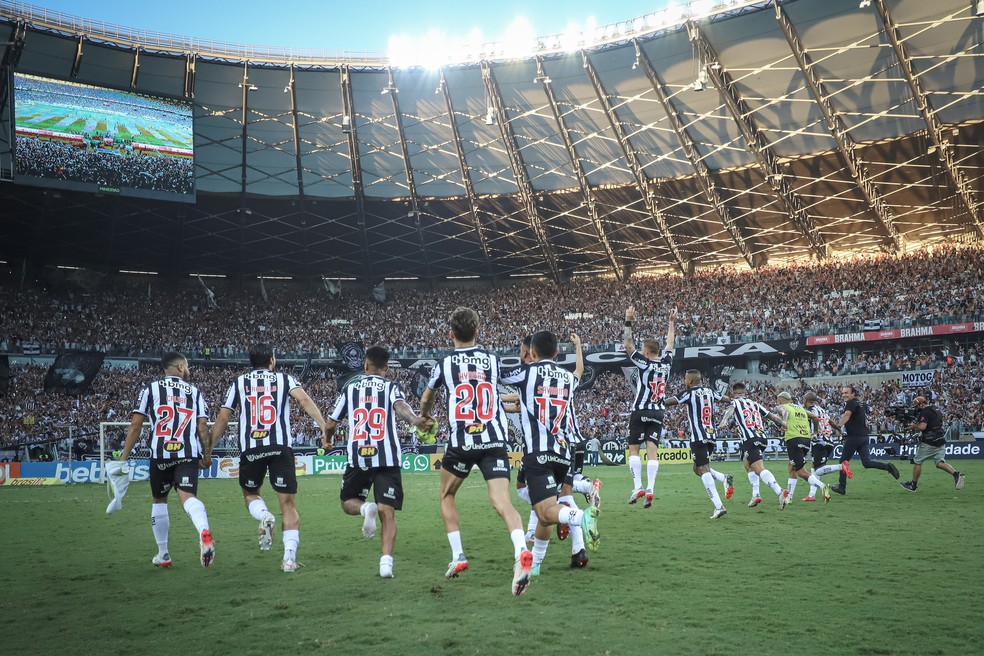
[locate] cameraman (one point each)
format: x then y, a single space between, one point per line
932 444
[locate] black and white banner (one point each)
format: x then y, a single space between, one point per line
918 378
73 373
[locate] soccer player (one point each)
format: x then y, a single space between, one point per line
797 422
855 425
700 400
509 400
748 418
373 404
646 420
179 447
478 437
823 440
262 397
546 394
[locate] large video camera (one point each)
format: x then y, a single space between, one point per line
903 414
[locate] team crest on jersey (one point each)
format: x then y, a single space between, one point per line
475 428
280 480
173 445
368 451
259 434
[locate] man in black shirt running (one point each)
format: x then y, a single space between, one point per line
855 425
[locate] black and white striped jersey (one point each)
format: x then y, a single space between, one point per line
546 394
370 403
470 377
173 407
263 399
824 434
749 417
651 382
700 411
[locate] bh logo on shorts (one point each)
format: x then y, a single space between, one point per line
185 480
460 466
390 493
250 483
550 481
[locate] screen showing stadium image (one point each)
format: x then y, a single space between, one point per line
88 138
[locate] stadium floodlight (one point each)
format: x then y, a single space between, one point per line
864 4
544 79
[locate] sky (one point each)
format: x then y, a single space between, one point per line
353 26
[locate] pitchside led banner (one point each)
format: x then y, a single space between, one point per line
87 138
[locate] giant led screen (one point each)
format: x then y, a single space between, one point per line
88 138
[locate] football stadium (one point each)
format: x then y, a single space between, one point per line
658 336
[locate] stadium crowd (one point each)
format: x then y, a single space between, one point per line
930 286
934 286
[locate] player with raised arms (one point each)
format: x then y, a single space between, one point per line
646 421
266 444
478 437
180 445
373 405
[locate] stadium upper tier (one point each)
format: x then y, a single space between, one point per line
146 315
732 132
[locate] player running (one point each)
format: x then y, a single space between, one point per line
179 447
262 397
646 420
478 437
748 418
373 405
700 400
823 440
546 394
797 420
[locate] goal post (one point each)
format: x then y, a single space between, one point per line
112 436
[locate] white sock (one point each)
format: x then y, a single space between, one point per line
524 494
258 508
652 467
291 540
718 476
771 481
533 522
455 539
161 522
635 468
519 541
568 499
583 486
814 483
196 510
753 478
539 550
712 492
577 539
791 486
386 560
827 469
572 516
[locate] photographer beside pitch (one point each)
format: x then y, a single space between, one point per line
932 444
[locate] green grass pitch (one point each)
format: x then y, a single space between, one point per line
880 571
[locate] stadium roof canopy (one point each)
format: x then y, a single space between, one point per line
821 128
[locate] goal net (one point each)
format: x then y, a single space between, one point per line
112 437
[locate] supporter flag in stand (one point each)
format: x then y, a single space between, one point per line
721 378
872 324
4 374
353 357
73 373
333 288
209 295
31 348
263 292
379 293
418 384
